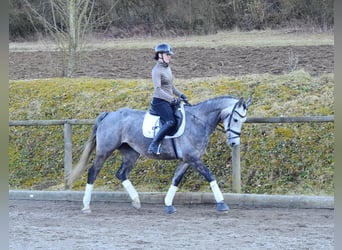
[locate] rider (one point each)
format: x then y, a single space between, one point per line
164 91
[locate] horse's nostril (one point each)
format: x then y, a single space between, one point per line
232 144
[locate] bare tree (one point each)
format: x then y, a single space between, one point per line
68 22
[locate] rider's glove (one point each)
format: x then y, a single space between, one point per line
184 97
175 102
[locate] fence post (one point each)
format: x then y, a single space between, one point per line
67 153
236 171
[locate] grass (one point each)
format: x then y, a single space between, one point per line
275 158
221 39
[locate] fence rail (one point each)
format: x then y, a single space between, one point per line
278 119
236 169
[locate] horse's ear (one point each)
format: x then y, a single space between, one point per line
240 102
248 102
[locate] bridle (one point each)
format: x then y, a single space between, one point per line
230 115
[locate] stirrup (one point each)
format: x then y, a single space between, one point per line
158 149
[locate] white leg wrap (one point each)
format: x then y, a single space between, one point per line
87 195
216 190
130 189
170 195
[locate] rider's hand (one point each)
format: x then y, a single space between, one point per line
184 97
175 102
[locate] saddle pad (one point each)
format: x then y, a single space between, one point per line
151 125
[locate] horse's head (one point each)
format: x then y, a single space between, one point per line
233 118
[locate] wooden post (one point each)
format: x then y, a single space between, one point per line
67 153
236 171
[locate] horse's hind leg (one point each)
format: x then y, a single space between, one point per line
92 174
129 157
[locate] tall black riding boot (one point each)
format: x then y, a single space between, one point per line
153 148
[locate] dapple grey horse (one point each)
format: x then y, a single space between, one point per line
122 130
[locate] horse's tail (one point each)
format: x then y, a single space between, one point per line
90 145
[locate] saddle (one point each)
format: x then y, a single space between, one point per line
152 123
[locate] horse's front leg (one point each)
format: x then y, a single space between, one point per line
179 173
202 169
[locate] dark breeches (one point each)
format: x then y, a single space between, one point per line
164 110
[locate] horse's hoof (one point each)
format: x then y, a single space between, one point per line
86 210
136 203
170 209
222 207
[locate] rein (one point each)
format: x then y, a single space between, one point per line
220 126
205 123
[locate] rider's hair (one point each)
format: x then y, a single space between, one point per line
156 56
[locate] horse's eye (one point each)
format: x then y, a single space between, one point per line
235 120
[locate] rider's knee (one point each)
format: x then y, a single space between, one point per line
170 123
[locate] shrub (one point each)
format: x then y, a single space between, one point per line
275 158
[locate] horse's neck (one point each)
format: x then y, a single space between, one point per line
210 117
210 110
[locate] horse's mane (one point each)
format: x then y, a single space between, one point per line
215 99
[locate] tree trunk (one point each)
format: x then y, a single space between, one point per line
72 38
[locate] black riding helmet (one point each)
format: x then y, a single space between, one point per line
162 48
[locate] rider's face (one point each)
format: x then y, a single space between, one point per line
166 57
